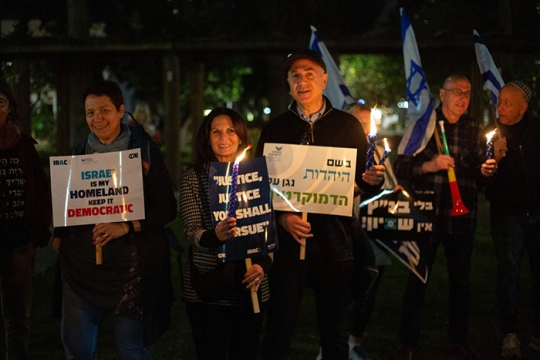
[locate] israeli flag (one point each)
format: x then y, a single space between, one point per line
421 109
493 81
336 90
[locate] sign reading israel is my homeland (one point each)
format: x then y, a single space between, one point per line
313 179
97 188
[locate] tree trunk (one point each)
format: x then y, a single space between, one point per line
171 126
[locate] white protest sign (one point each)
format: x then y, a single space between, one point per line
97 188
313 179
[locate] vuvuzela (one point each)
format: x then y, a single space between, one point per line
458 208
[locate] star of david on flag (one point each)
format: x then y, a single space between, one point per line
421 110
336 90
490 74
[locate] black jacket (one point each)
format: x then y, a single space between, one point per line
151 242
514 188
334 129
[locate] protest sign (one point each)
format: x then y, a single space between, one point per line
408 253
312 179
97 188
398 215
396 221
256 231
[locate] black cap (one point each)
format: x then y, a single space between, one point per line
303 54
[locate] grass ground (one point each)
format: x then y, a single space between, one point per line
380 341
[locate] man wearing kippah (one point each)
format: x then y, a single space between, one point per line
515 211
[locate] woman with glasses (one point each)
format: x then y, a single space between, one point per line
25 217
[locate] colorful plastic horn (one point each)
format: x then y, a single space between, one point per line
458 208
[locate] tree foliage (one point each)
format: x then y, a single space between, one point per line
378 79
241 79
135 20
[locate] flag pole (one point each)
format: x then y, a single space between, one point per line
495 121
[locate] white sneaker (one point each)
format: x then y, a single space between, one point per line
511 346
356 354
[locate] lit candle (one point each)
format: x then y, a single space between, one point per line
231 210
372 137
489 144
386 152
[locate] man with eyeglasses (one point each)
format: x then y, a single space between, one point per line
329 266
515 212
428 170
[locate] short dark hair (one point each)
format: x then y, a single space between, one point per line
13 115
203 148
106 88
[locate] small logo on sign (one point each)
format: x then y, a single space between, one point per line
390 224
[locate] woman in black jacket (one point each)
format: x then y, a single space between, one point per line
133 283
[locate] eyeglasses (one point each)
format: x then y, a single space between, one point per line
3 103
459 92
308 137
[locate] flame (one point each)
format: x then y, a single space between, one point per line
373 127
490 135
241 156
386 147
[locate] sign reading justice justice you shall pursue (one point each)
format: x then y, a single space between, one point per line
97 188
256 233
313 179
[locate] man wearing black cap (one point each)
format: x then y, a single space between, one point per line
515 211
328 268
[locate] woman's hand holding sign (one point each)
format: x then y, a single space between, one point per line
226 229
105 232
253 277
